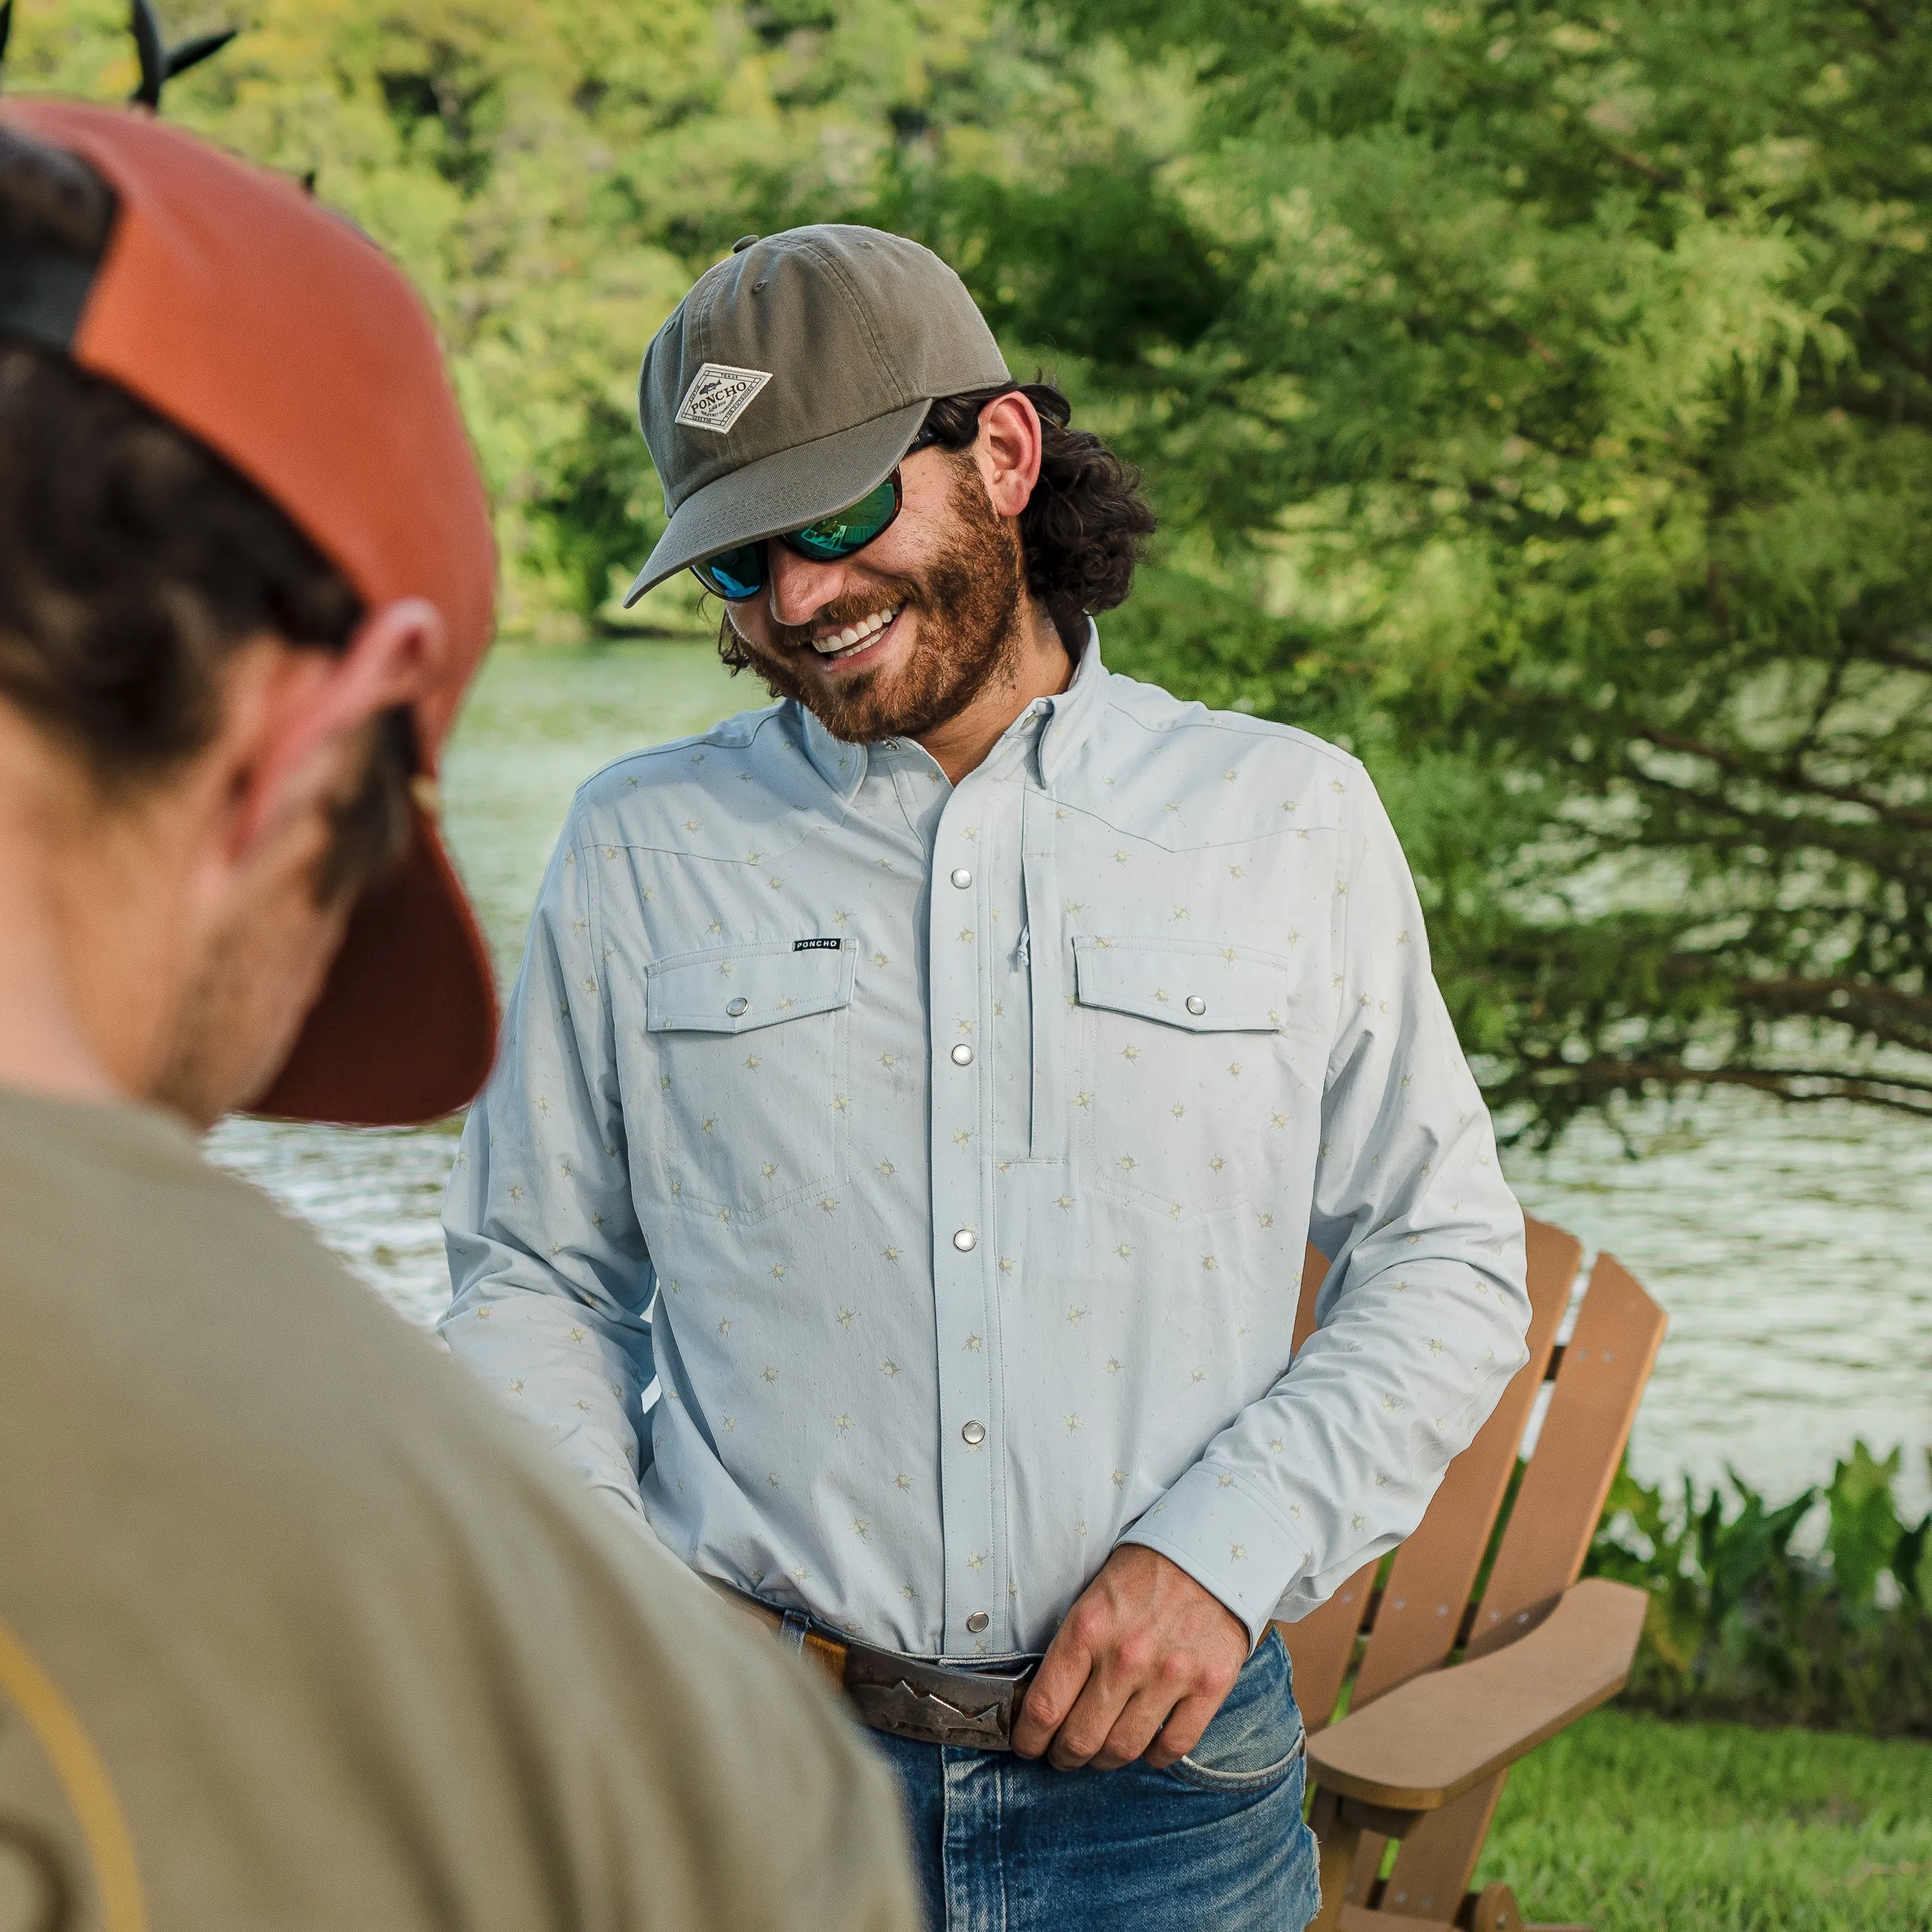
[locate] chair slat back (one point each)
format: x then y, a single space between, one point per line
1599 1384
1434 1570
1453 1533
1599 1381
1320 1645
1314 1273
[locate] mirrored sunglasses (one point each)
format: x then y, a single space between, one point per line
740 572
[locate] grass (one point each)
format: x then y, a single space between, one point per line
1632 1824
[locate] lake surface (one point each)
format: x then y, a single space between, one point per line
1789 1248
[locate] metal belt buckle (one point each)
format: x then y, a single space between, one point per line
931 1704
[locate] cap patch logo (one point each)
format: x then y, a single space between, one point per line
718 395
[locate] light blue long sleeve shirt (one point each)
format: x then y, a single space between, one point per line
897 1192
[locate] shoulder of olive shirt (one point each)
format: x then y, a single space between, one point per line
345 1646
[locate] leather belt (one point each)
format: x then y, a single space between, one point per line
930 1703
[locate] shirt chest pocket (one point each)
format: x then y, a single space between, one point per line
749 1051
1192 1074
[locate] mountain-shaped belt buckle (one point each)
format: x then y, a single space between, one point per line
932 1705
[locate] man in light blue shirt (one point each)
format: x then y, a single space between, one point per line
915 1100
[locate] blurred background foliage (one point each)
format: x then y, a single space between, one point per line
1537 398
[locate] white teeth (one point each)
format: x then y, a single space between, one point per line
854 635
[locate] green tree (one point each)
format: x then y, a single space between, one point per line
1564 440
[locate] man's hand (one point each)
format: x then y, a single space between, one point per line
1144 1647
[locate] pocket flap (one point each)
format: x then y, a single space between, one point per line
740 989
1203 987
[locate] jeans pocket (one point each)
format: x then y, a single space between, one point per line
1256 1739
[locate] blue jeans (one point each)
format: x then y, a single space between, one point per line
1214 1843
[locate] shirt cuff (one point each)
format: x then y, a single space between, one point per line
1231 1540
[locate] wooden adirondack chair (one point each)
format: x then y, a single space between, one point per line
1423 1752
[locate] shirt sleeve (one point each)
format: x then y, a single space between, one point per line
553 1279
1422 1316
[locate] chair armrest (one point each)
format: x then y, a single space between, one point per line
1430 1740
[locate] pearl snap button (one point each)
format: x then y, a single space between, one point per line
975 1433
961 878
737 1006
978 1622
1196 1005
962 1055
965 1240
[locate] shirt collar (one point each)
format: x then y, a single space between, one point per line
841 766
1075 712
1059 726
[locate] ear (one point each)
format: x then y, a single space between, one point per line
322 700
1008 451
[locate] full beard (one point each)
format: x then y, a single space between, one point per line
967 600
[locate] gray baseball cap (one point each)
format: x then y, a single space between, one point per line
792 379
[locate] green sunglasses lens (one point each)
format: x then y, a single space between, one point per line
849 529
734 575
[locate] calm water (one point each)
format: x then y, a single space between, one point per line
1790 1249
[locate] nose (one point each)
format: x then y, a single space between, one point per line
800 589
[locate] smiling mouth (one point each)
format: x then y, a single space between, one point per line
855 638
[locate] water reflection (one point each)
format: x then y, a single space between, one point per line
1786 1246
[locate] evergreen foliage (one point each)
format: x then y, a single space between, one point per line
1538 398
1559 442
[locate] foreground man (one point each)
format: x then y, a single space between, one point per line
296 1630
931 1081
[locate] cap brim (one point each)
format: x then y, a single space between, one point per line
405 1029
781 492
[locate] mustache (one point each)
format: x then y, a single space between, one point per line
853 608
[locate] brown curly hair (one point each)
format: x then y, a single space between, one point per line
1083 530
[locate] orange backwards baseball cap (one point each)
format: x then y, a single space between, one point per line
277 335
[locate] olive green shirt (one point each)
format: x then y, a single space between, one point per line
297 1630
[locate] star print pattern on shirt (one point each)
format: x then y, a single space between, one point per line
900 1339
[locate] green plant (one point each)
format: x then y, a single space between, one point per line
1746 1621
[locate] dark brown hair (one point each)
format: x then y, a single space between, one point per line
1082 531
133 559
1086 522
